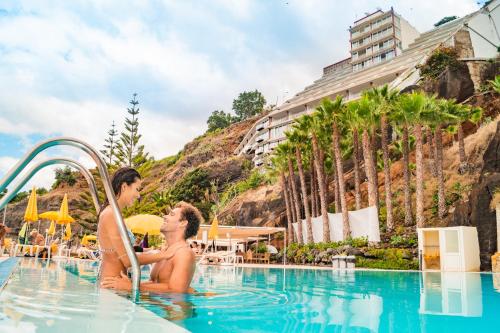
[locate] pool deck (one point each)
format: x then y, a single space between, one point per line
42 296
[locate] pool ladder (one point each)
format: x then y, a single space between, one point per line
103 172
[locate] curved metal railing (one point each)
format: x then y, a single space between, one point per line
60 160
101 166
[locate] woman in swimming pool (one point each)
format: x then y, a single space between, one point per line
126 183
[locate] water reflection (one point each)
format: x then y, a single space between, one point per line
451 293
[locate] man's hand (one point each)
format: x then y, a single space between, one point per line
121 282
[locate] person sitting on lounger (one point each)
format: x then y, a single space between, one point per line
173 274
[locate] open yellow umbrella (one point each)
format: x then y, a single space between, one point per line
64 217
213 233
51 215
87 238
31 213
144 223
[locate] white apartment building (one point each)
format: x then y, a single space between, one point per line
378 37
400 71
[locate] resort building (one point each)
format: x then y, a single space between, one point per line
378 37
475 36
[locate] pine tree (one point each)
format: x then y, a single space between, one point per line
109 150
129 151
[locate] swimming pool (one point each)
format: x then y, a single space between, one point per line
303 300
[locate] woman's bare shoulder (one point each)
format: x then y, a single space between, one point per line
106 216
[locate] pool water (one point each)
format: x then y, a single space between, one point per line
304 300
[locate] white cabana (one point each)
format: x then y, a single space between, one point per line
449 249
363 222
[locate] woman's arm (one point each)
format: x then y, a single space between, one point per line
111 228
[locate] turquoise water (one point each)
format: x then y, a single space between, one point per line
301 300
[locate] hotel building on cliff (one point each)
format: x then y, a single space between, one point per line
385 49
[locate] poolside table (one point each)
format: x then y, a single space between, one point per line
343 262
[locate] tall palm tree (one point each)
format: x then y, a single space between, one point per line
352 122
314 125
432 151
286 150
297 137
333 111
413 106
314 192
385 99
443 113
464 113
403 117
365 108
278 165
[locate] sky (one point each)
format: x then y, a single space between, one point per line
69 68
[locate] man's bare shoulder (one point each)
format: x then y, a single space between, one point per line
184 255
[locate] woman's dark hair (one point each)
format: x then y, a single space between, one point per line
121 176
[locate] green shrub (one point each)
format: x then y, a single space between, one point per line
387 264
254 180
439 60
403 241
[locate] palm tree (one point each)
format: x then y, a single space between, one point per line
464 113
278 165
367 119
385 99
297 137
352 122
288 149
314 192
333 110
404 118
314 125
277 161
413 106
443 112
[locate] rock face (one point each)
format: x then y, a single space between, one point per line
453 83
481 215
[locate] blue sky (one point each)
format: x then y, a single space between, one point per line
70 67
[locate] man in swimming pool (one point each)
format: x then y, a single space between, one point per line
173 274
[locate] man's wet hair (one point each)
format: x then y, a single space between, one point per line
193 217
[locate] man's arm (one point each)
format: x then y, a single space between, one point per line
117 244
179 280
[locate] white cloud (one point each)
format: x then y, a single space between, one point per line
69 69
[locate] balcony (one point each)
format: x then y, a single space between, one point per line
262 125
259 150
261 137
258 162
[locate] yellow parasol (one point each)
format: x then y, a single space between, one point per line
31 214
87 238
144 223
50 215
67 235
52 229
64 217
213 233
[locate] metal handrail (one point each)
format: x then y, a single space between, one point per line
101 166
61 160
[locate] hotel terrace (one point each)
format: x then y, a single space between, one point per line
385 49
